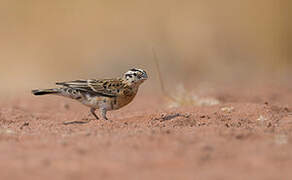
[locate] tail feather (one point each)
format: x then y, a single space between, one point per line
38 92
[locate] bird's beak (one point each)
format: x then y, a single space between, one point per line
145 76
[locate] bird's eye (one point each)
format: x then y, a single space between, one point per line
135 74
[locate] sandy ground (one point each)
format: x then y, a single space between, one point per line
246 136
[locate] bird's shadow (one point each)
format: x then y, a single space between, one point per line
76 122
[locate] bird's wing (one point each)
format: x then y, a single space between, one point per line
103 87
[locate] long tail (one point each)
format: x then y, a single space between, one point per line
39 92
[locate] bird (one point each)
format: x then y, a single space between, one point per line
102 94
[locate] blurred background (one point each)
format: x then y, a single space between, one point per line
195 40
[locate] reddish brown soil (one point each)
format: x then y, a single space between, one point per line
246 136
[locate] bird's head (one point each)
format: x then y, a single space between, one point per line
135 76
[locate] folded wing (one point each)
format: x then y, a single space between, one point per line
103 87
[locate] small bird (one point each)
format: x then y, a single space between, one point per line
102 94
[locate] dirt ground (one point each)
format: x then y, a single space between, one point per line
246 136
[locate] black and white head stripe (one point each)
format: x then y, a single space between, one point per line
136 72
136 69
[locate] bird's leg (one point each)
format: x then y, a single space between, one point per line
92 110
103 113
